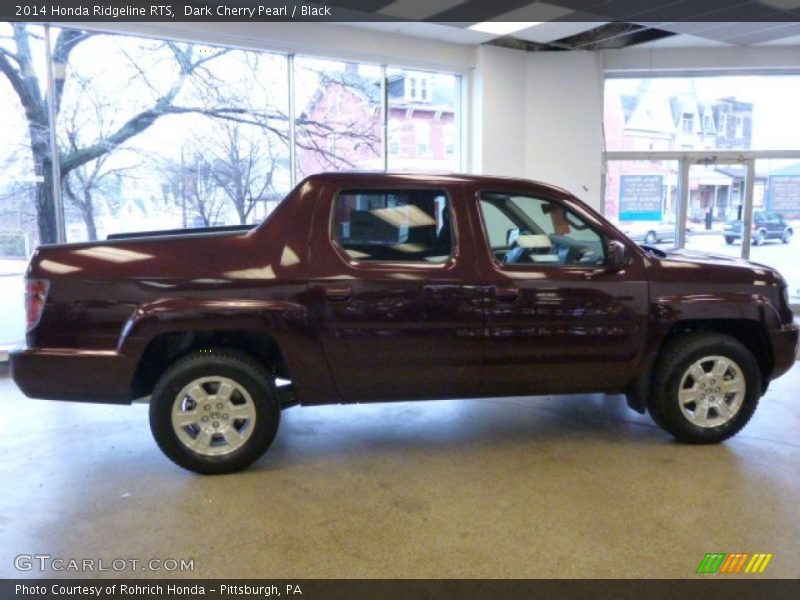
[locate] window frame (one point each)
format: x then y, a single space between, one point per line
341 251
604 239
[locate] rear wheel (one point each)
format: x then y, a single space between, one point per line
214 411
651 238
729 240
706 388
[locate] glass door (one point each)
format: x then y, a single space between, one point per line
717 197
776 219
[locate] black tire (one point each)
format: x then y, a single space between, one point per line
729 240
675 360
787 236
231 365
651 238
759 238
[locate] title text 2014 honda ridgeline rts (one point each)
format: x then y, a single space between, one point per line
375 287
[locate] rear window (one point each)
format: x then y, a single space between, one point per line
394 225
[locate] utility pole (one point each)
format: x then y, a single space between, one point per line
183 190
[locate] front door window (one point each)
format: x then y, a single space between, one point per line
527 230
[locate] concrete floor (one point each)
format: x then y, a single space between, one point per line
545 487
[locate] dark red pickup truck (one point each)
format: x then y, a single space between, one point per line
375 287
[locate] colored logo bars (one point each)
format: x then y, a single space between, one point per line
743 562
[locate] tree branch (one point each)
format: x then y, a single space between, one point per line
29 103
139 123
9 54
27 73
66 42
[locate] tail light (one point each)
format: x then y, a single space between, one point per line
35 298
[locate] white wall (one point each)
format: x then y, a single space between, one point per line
539 116
498 112
564 122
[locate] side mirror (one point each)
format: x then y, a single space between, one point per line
616 255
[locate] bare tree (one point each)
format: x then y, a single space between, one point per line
334 140
243 165
210 97
191 183
86 111
16 214
19 67
202 191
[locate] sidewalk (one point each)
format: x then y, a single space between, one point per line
13 266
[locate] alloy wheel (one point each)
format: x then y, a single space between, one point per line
711 392
213 416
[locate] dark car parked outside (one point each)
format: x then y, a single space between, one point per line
767 225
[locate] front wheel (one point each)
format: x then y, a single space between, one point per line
214 411
759 238
706 388
787 236
729 240
651 238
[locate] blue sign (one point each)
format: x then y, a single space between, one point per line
641 197
783 193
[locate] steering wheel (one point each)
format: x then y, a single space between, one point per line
514 254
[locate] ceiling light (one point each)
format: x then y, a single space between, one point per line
502 27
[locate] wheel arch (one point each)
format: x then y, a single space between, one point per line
749 332
277 332
167 347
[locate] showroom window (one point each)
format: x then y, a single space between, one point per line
25 173
157 134
394 225
733 139
216 155
149 134
423 121
338 118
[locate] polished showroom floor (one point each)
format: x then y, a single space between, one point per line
541 487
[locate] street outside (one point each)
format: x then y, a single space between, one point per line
12 309
783 257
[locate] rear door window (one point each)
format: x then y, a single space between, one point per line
394 225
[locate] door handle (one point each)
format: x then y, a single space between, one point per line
338 293
506 294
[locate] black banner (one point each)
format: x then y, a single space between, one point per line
411 589
468 11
